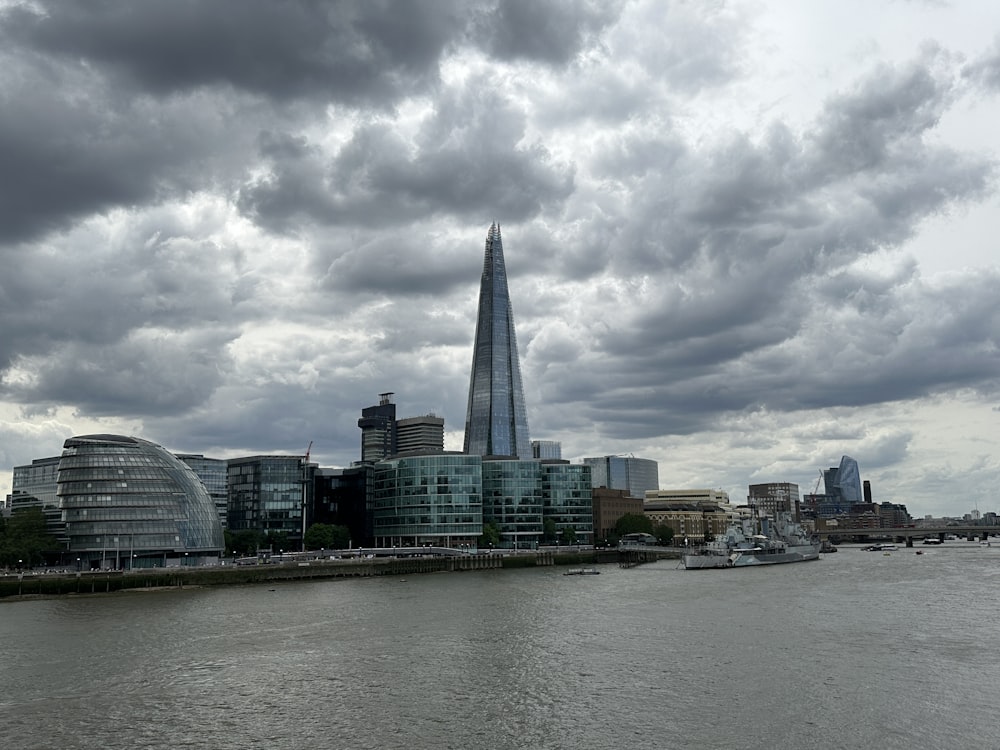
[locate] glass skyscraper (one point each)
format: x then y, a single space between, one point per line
496 422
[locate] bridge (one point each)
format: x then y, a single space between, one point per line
908 533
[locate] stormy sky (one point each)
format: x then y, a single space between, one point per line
742 238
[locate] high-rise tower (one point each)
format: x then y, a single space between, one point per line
496 422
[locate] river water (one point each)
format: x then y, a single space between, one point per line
857 650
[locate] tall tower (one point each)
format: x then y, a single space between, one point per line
496 422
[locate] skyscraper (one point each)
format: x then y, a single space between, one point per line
496 422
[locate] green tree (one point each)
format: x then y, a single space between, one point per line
633 523
490 535
244 542
568 535
327 536
549 530
24 539
664 534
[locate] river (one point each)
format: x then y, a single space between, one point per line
856 650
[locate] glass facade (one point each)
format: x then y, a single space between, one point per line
128 502
266 495
433 499
634 475
212 473
568 498
849 481
496 422
35 486
512 497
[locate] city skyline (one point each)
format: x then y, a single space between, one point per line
744 239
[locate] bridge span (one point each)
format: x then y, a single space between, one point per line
908 533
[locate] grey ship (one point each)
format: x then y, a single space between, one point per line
748 543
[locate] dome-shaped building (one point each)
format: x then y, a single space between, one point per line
127 503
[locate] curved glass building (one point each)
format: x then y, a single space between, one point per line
127 503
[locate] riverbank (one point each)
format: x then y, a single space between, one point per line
16 586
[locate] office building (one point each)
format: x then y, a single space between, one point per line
424 434
609 507
546 449
270 495
512 498
843 483
774 497
636 476
34 486
496 422
128 503
378 430
567 499
344 497
433 499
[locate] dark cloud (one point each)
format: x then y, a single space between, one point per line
551 32
369 51
468 159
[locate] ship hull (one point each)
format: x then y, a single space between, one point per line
749 558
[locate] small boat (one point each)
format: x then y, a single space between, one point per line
582 572
879 548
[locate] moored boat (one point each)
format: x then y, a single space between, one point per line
745 544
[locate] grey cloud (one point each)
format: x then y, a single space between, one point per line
551 32
148 373
467 160
355 51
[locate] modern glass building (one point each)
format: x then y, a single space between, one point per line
212 473
269 494
546 449
127 503
433 499
512 497
496 422
568 498
634 475
843 483
34 486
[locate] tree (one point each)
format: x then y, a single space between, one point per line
664 534
327 536
24 539
633 523
244 542
549 530
568 535
491 534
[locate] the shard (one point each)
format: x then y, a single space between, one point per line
496 422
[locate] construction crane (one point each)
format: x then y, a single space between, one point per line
818 480
308 451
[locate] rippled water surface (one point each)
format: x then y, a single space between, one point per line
858 650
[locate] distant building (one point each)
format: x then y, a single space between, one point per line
433 499
496 422
270 494
691 522
378 430
775 497
567 499
608 507
35 486
844 482
212 473
424 433
866 488
512 498
636 476
542 449
343 497
128 503
706 497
